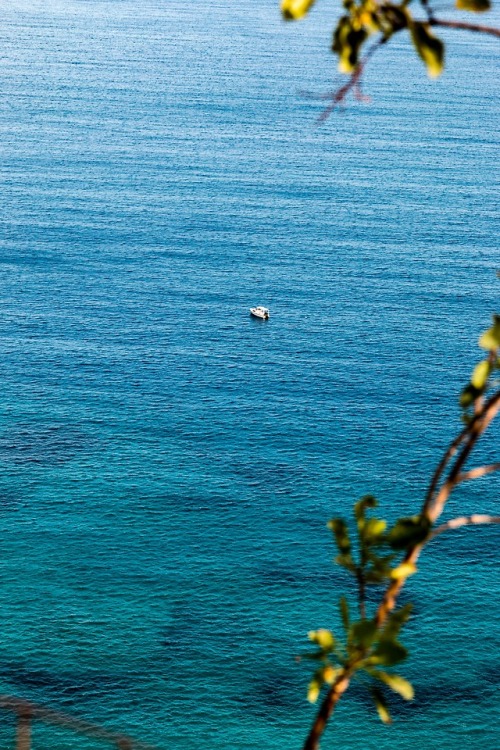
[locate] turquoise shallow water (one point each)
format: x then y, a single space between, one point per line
168 464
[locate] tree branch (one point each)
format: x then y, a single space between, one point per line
432 508
427 7
331 699
338 96
479 471
491 30
477 427
456 523
353 83
442 466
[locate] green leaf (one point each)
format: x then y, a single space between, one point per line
396 683
327 674
395 622
403 571
468 396
344 612
381 564
476 6
373 531
363 632
388 653
339 528
314 690
429 47
408 531
367 501
393 18
491 338
330 674
292 10
323 638
381 706
347 42
480 374
380 567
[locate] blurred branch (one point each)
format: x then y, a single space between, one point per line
353 83
432 508
479 471
491 30
456 523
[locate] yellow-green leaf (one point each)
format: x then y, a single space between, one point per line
373 530
322 637
396 683
367 501
313 690
476 6
403 571
341 533
292 10
429 47
480 374
347 42
468 396
381 706
491 338
330 674
346 562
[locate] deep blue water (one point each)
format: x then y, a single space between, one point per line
169 464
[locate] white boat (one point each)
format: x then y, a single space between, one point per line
260 312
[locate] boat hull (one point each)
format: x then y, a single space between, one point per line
259 316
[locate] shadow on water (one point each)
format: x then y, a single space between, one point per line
46 444
474 546
26 714
10 502
48 685
271 694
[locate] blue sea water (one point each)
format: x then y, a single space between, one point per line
168 464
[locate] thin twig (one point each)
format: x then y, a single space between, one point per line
457 523
429 11
477 427
337 97
442 466
491 30
479 471
353 84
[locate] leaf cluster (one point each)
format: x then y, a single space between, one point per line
376 544
368 649
481 378
377 554
363 19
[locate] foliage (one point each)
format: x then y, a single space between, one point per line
380 556
366 25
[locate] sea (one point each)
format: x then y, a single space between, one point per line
168 463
